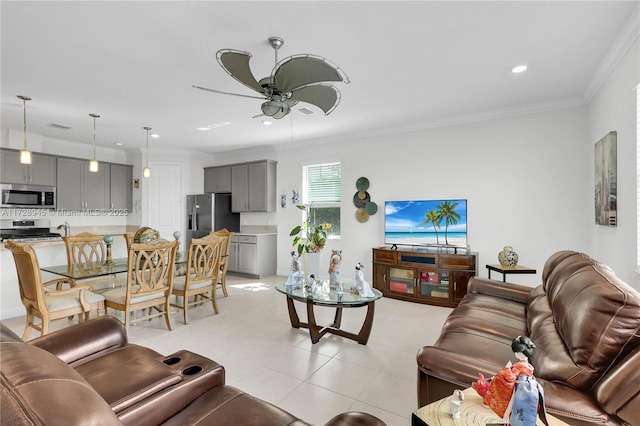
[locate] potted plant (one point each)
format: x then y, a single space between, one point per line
309 240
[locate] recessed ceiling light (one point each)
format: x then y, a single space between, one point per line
204 129
519 69
154 135
266 122
118 143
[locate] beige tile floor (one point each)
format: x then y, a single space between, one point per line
264 356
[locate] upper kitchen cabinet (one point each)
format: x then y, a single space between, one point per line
253 187
41 171
78 188
121 184
217 179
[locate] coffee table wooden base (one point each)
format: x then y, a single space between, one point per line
316 332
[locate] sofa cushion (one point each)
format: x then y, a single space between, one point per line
38 388
583 320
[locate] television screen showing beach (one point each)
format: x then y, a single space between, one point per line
426 222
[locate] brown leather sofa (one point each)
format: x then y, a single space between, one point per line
585 323
89 374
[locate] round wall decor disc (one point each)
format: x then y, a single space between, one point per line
362 184
371 208
361 202
362 215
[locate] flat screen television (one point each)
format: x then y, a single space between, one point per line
426 223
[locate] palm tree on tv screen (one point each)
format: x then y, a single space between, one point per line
447 211
434 218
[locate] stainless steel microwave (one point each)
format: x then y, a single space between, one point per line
28 196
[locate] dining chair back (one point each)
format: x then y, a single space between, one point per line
224 258
87 253
201 278
149 282
42 302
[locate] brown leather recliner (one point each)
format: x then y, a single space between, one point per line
89 374
585 323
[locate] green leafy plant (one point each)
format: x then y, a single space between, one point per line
308 238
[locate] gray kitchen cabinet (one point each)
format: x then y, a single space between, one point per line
41 171
78 188
217 179
253 187
253 255
240 188
121 183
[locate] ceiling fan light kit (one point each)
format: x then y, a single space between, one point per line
298 78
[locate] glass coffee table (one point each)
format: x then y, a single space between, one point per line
330 300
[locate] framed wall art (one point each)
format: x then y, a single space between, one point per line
606 180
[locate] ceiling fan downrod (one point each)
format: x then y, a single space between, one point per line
276 43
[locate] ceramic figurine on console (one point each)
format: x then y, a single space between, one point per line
295 276
360 286
513 393
335 263
454 402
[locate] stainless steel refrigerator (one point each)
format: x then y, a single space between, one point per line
210 212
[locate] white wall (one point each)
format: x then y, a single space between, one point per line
614 108
523 178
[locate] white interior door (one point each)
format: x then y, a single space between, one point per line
165 199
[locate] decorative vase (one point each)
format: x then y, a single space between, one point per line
508 257
311 264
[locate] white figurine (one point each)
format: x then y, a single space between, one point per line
295 276
335 263
360 286
454 402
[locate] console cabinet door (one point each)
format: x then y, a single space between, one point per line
121 187
217 179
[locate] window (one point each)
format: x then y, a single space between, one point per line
638 175
321 192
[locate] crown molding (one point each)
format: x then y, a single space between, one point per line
627 37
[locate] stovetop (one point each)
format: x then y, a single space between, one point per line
24 231
29 237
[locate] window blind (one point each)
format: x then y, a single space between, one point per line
322 183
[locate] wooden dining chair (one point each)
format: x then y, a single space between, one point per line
224 258
149 282
203 269
46 303
86 252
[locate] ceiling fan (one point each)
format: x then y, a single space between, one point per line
298 78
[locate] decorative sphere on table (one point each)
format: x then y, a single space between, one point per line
108 239
177 235
145 235
508 257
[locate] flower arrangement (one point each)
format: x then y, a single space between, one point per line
307 238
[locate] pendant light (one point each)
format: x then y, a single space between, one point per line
93 164
146 172
25 154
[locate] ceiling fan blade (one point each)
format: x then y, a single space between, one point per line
228 93
236 64
301 70
324 96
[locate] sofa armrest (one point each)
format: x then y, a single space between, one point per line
619 390
85 340
509 291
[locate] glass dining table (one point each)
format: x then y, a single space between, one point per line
96 269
